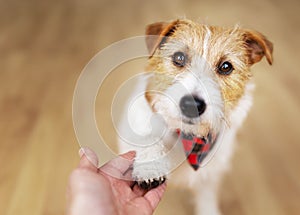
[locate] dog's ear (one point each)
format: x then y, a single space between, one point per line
156 34
258 46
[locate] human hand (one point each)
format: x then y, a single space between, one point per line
92 191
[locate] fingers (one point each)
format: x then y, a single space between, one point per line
88 159
120 167
154 196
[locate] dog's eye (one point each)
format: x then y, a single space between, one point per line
225 68
179 59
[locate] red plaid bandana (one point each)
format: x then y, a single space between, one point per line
196 149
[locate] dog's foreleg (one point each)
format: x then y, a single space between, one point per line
206 200
143 131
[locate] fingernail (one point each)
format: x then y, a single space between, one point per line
81 152
129 155
90 155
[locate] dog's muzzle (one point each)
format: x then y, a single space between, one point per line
196 148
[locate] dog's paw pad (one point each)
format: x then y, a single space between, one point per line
149 184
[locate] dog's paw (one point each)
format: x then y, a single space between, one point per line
151 183
150 167
148 171
150 174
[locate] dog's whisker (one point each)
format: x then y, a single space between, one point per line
226 122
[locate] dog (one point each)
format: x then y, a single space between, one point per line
187 108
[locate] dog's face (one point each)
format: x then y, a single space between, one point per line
199 73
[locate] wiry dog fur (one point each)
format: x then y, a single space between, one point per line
227 97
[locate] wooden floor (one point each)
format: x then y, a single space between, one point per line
44 45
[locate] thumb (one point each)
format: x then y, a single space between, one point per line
88 159
119 166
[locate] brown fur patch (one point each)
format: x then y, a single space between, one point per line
258 46
159 30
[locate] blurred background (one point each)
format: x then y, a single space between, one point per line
44 45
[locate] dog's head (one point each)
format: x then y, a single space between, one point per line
199 73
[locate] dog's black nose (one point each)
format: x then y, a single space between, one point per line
192 106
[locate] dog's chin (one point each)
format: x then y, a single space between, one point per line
194 126
188 121
196 129
190 126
